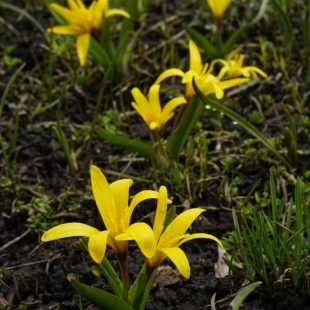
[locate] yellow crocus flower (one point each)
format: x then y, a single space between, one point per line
167 243
82 21
112 202
150 109
233 68
205 81
218 7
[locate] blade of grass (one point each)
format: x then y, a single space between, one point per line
193 110
298 222
24 13
241 121
8 87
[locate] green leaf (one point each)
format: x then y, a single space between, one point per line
285 19
8 87
202 42
11 61
260 13
140 290
169 217
100 298
298 222
137 290
99 54
113 279
212 303
228 46
147 290
241 121
192 112
242 295
106 38
135 146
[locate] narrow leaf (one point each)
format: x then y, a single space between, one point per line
242 295
113 279
241 121
143 149
100 298
202 42
261 12
99 54
8 87
193 110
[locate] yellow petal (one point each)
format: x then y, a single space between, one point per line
143 235
97 245
143 113
189 75
180 260
139 197
231 83
194 58
69 230
140 101
81 5
82 45
170 106
218 7
66 13
73 6
222 72
200 235
213 88
154 104
66 30
117 12
154 125
102 6
182 222
103 197
253 69
169 73
161 211
120 191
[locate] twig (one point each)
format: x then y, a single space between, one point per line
15 240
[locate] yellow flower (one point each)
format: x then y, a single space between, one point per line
218 7
82 21
112 202
150 110
205 81
167 243
234 69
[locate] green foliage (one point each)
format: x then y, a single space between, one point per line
243 122
218 49
240 297
272 248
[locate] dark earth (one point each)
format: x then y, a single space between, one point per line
33 275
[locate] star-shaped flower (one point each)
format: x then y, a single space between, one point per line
82 21
112 202
150 109
204 79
